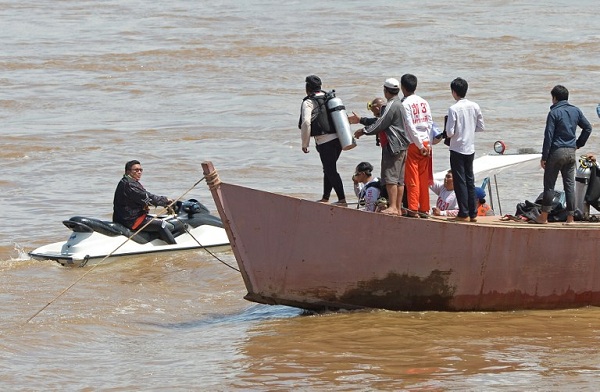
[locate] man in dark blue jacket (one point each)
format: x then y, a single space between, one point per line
558 152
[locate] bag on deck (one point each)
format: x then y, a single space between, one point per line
558 213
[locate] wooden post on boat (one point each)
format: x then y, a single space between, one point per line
214 185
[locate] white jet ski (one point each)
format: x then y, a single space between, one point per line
93 238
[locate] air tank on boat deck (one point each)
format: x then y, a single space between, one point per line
582 180
339 119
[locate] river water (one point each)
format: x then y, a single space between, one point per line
89 85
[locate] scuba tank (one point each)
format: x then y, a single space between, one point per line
339 119
582 180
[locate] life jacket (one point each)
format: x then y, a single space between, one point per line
379 185
483 209
138 222
376 183
319 122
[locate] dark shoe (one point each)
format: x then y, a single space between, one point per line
340 203
473 219
459 219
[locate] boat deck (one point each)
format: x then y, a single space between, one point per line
509 220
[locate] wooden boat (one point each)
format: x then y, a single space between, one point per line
318 256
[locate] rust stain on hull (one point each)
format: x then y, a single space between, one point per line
356 299
393 292
403 291
517 300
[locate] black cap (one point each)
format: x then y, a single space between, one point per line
313 82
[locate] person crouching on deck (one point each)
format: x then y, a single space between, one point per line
483 209
366 187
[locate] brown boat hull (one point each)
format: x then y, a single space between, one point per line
317 256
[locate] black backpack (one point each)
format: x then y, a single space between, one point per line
558 213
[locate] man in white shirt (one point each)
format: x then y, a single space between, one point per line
464 119
418 171
445 204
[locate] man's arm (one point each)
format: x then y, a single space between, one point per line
548 136
411 130
382 123
450 123
480 125
586 130
306 116
139 195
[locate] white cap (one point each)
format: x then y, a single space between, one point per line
391 83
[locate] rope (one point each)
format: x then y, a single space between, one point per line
117 248
209 252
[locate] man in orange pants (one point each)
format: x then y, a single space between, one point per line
418 170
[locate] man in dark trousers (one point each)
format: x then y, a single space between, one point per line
464 119
314 121
558 151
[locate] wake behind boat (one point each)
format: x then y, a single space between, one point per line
93 239
318 256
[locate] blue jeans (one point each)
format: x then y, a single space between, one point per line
464 183
560 160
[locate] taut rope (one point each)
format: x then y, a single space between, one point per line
117 248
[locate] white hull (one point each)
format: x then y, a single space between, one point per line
83 247
94 239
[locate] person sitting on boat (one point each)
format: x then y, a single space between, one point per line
366 187
131 204
446 204
483 209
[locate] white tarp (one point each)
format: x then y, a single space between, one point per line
488 165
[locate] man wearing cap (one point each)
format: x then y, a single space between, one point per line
464 119
393 148
314 121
